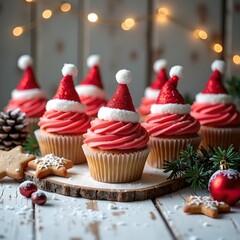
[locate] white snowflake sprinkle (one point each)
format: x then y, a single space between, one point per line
50 160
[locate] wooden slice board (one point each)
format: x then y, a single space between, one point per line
154 183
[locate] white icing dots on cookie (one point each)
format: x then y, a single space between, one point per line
50 160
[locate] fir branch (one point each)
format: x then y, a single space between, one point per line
31 144
197 166
232 158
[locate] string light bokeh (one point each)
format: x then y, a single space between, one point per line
162 15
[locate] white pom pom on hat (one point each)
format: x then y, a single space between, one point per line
93 60
25 61
124 76
69 69
218 65
159 64
176 71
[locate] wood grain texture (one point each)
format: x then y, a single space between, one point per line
154 183
78 218
197 226
16 212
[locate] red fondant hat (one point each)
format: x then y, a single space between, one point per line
169 92
28 80
161 78
214 84
66 89
93 77
122 99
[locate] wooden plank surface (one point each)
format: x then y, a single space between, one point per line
76 218
196 227
64 217
16 212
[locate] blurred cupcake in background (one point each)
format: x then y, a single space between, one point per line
151 93
116 145
91 90
218 116
28 97
64 122
170 126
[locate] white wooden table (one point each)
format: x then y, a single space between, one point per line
79 219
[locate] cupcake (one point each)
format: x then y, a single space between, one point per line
116 144
151 93
64 122
218 116
90 90
28 97
170 126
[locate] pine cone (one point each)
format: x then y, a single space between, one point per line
12 129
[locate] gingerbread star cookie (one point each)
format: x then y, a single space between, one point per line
13 162
50 165
205 205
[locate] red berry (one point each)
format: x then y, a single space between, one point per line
39 197
27 188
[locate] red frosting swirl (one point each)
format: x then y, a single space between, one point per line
216 115
146 103
34 107
92 104
170 124
116 135
73 123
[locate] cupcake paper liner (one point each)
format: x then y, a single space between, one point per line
220 137
67 146
168 149
115 167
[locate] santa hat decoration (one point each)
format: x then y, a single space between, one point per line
92 84
170 100
215 92
66 98
160 68
120 107
27 86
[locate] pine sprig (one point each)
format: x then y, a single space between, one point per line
31 144
197 166
229 155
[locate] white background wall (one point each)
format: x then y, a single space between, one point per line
70 38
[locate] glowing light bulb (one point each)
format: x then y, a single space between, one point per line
29 1
125 27
200 34
163 11
236 59
65 7
92 17
217 48
130 22
17 31
162 14
47 13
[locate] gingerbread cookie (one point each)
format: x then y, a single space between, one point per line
50 164
205 205
13 162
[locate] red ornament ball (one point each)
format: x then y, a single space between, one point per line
39 197
27 188
224 185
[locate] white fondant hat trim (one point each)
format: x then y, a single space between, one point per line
171 108
214 98
114 114
90 90
27 94
151 93
65 106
